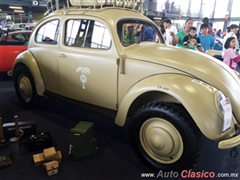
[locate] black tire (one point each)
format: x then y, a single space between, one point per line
25 86
182 143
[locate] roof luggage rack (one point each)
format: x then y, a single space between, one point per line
53 5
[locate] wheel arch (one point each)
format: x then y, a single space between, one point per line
27 59
180 89
147 97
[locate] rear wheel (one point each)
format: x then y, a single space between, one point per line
165 137
25 86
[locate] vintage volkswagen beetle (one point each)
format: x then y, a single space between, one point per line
100 59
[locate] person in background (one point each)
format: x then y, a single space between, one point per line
162 30
3 23
1 33
232 31
219 33
238 35
215 30
167 5
149 34
169 28
172 6
224 34
206 21
177 39
9 23
214 33
139 33
191 41
230 57
211 32
210 29
129 35
207 41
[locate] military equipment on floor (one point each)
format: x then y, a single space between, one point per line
82 141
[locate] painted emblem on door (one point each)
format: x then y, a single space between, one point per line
83 78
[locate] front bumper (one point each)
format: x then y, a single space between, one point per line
229 143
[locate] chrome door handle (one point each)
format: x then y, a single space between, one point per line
62 55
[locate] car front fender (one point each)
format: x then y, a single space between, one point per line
26 58
196 96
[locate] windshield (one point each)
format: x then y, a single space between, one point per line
137 31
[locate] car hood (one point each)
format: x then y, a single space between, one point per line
193 63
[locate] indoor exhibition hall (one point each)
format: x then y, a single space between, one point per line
119 89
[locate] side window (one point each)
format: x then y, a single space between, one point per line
18 37
73 33
87 34
48 33
100 36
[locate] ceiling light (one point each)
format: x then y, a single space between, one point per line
21 11
15 7
157 18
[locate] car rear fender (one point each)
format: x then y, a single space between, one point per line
197 98
26 58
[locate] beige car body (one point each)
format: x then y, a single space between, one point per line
122 79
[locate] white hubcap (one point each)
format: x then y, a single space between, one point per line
161 140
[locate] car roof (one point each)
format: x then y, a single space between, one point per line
107 13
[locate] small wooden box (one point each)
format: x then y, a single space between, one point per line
58 156
51 167
38 159
49 153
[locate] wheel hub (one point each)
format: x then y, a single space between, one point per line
156 142
25 88
161 140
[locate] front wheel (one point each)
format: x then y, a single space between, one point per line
25 86
165 137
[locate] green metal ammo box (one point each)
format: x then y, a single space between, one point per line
82 141
82 133
89 148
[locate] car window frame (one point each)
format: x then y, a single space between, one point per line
88 19
58 28
122 21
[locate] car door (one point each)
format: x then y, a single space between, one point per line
87 63
44 49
